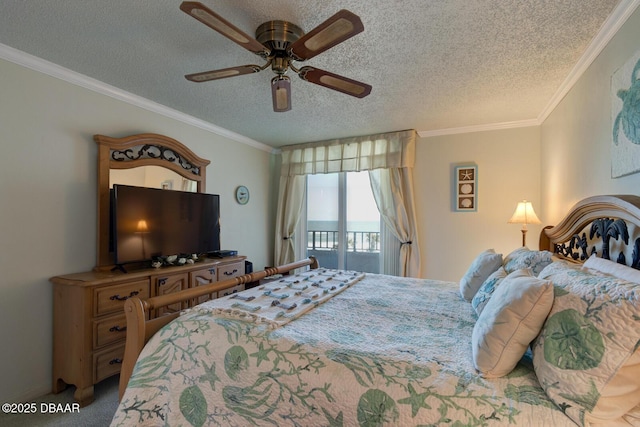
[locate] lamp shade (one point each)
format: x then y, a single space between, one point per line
524 214
142 226
281 93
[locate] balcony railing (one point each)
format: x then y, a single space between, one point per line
357 241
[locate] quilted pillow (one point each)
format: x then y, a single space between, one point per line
620 271
587 355
525 258
509 322
481 298
481 267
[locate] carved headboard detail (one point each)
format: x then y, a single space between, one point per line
608 226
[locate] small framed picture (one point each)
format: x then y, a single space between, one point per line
466 188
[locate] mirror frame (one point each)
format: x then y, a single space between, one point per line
146 149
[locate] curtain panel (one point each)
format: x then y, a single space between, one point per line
390 155
360 153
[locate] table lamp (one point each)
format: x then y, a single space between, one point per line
524 214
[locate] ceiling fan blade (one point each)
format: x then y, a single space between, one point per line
224 27
335 30
223 73
335 82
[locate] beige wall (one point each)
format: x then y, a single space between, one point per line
576 137
48 195
508 171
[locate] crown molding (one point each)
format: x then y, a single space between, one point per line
611 26
479 128
49 68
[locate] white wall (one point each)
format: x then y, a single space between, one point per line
508 172
48 196
576 137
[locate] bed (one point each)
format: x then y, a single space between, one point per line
533 337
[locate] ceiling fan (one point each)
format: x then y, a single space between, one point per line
280 43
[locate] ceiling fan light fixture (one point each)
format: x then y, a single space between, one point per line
281 93
280 43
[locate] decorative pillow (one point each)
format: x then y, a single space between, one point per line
587 355
509 322
620 271
481 298
481 267
525 258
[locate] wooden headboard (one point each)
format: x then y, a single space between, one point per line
608 226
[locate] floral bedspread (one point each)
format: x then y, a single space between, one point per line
382 351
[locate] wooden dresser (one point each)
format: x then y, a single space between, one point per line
89 326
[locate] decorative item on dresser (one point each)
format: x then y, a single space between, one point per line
89 322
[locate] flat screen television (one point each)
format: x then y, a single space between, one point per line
149 222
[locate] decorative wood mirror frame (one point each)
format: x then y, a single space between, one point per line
134 151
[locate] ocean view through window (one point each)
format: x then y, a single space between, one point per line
343 222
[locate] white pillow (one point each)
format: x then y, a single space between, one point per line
512 318
479 270
613 268
482 297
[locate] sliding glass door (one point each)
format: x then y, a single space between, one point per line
343 223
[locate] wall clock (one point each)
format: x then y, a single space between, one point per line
242 195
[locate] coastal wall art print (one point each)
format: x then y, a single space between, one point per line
625 118
466 188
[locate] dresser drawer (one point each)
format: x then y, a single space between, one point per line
109 299
107 363
230 270
107 330
203 277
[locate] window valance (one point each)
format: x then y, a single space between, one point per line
385 150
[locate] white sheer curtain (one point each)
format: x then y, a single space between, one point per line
393 192
392 152
290 198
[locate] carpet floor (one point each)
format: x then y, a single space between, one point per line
97 414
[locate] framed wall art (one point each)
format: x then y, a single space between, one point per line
625 118
466 188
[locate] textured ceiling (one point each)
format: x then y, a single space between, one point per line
433 64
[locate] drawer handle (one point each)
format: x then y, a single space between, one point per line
163 281
115 361
212 271
117 329
119 298
231 273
